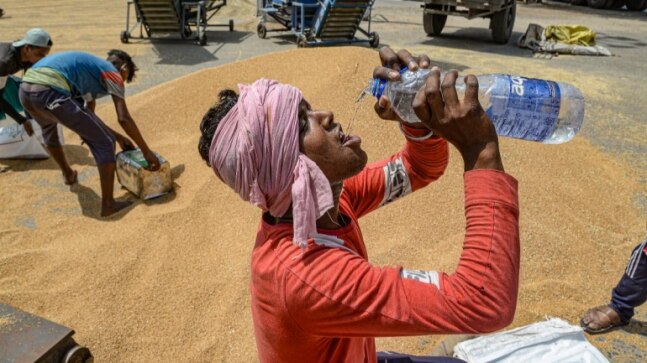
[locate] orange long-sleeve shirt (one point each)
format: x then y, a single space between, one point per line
328 303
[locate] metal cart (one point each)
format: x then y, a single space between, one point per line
501 13
319 22
188 18
29 338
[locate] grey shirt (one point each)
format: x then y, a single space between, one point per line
9 64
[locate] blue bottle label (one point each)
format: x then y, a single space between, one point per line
529 111
378 87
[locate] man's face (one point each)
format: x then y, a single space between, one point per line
122 68
338 156
31 54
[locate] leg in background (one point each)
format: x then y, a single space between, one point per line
69 174
109 205
35 104
631 291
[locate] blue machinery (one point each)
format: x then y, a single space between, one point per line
189 18
319 22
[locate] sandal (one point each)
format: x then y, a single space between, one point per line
600 319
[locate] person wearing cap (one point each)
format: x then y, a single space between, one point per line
62 88
16 56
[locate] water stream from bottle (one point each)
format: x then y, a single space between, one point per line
357 105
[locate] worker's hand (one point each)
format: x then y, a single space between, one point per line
124 143
151 158
461 122
27 127
392 63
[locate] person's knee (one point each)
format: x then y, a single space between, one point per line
50 135
104 158
103 152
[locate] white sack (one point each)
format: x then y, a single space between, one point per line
16 144
548 341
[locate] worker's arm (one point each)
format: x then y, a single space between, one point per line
128 124
417 164
7 108
340 293
422 160
123 141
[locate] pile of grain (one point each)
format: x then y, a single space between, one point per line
168 280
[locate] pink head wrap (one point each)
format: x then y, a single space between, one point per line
255 150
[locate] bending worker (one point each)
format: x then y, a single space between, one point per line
53 91
315 296
17 56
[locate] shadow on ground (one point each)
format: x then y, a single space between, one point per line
583 11
478 40
75 155
90 201
636 327
612 41
381 18
173 50
619 349
287 38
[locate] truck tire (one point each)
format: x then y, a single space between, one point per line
637 5
597 4
502 23
433 23
578 2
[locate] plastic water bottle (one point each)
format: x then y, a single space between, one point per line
523 108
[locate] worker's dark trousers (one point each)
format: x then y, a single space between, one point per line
631 291
50 107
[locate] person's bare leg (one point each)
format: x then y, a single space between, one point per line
69 174
108 204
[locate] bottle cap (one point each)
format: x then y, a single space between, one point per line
379 84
